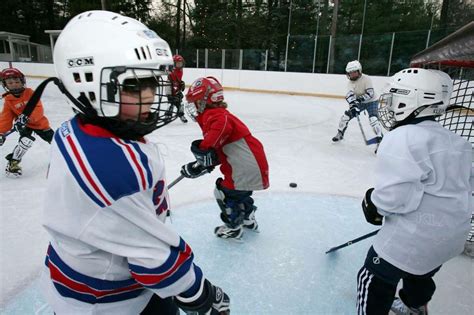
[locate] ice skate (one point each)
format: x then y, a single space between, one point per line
399 308
338 137
225 231
13 169
469 248
250 222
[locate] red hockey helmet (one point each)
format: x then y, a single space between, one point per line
9 73
178 58
204 91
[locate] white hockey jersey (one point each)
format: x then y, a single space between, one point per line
105 207
363 89
424 182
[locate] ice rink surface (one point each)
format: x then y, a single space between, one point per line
282 269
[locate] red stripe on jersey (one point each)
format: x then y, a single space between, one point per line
151 279
135 161
85 171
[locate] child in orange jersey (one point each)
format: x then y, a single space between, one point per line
15 100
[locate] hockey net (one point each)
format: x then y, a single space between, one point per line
454 55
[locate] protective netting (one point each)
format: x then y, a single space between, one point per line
459 118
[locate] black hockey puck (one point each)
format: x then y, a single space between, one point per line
293 185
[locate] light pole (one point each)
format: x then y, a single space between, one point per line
362 31
288 37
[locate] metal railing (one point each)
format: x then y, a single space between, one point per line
382 54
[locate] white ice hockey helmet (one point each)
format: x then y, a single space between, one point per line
414 93
94 43
353 66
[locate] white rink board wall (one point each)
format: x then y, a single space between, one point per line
316 84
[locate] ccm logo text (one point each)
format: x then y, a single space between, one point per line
80 62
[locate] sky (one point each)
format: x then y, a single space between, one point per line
282 269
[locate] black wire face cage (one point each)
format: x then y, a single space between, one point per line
385 113
116 82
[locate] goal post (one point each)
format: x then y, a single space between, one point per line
454 55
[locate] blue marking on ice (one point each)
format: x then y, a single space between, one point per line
281 270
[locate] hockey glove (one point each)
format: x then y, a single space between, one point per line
370 210
182 86
20 123
204 157
2 139
212 301
194 170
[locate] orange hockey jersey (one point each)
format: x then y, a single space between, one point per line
14 106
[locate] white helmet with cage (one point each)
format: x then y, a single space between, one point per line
353 70
98 50
414 93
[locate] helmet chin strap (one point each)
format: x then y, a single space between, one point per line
203 102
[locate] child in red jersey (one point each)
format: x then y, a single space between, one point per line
228 142
177 86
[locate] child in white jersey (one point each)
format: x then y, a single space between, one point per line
360 96
422 194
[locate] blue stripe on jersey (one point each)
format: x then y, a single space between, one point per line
88 289
174 277
94 283
168 264
59 141
196 285
66 292
109 163
144 160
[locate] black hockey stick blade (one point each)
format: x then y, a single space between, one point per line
363 237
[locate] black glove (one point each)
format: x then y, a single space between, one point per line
370 210
182 86
212 301
194 170
2 139
354 108
204 157
20 123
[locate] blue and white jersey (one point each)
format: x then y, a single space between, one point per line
105 208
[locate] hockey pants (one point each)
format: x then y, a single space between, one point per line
371 109
157 305
234 204
377 284
26 141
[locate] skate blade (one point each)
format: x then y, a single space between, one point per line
12 175
233 239
257 230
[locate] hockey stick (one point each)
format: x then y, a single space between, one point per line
6 134
177 180
363 237
367 142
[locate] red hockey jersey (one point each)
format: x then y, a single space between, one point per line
242 157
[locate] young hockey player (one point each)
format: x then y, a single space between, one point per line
228 142
422 193
178 86
106 199
15 100
361 96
